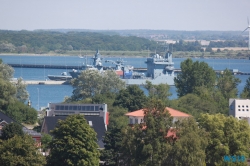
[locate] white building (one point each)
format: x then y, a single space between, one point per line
240 108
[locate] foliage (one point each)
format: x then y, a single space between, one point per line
21 113
90 83
227 84
193 75
22 94
7 92
160 91
227 136
45 41
45 140
131 98
11 130
6 70
74 143
190 145
146 143
21 151
246 91
112 143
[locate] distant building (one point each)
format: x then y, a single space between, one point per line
96 115
240 108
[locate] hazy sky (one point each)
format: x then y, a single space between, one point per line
124 14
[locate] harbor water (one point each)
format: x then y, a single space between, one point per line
41 95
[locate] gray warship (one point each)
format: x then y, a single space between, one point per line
160 70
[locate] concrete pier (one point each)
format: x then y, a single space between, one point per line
48 82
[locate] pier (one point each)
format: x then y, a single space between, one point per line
42 82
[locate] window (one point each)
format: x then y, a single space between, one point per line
62 107
57 107
92 108
74 107
96 108
238 109
66 107
83 108
238 106
70 107
79 107
247 106
243 110
130 121
247 110
242 106
136 121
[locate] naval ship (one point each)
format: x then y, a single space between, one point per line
160 70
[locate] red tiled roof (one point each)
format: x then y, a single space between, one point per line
136 113
172 112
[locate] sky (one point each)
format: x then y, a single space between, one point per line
184 15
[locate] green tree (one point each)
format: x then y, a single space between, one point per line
10 130
7 92
90 83
112 140
45 141
227 84
74 143
146 143
160 91
228 136
21 151
246 91
21 113
189 148
132 98
6 70
22 94
193 75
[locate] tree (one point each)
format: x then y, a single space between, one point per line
22 94
246 91
132 98
20 150
146 143
21 113
227 84
227 136
45 140
7 92
91 82
11 130
193 75
189 148
6 70
74 143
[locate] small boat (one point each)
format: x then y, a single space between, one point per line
62 77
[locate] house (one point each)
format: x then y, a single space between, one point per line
4 120
96 116
136 117
240 109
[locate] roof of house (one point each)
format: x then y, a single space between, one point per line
97 124
25 129
172 112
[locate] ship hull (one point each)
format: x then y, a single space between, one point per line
59 77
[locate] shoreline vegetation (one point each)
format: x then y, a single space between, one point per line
225 54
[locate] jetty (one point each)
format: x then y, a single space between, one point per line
42 82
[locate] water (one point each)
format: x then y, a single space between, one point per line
41 95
